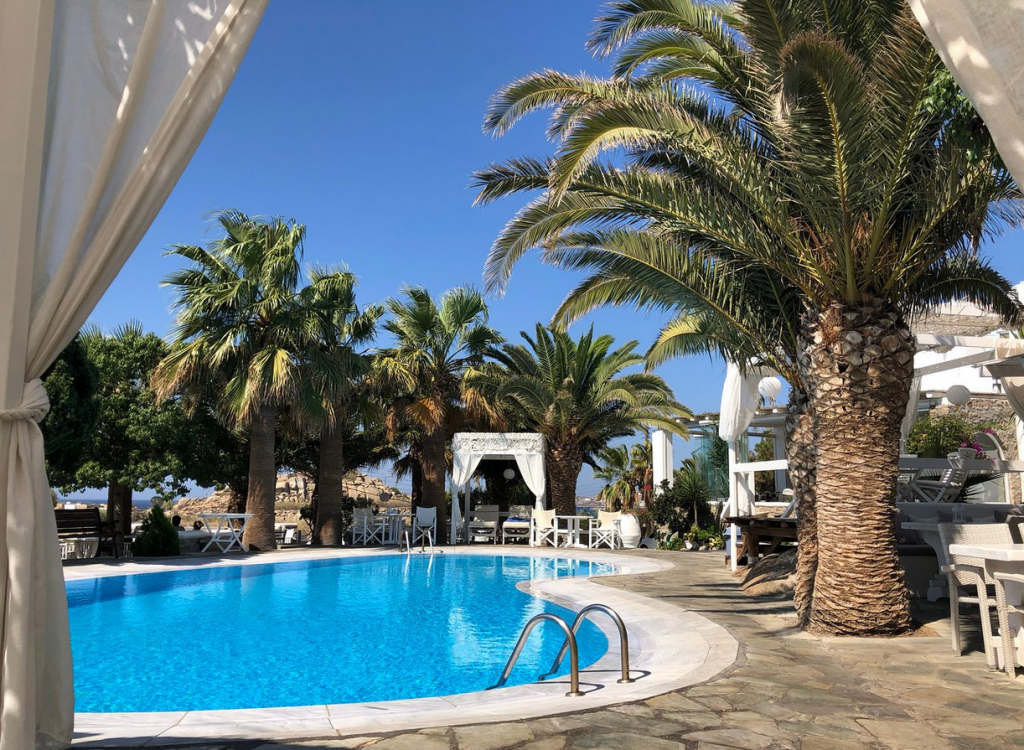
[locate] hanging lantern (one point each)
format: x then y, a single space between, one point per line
770 388
958 394
509 474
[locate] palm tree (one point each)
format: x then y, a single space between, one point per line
614 469
819 159
336 402
436 343
577 395
242 336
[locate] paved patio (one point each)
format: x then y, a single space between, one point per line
787 690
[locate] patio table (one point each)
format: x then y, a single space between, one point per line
1003 558
394 525
224 534
573 533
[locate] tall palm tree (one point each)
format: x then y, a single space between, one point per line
577 394
819 158
343 329
614 470
242 336
436 343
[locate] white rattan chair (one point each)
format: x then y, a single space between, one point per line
970 571
607 531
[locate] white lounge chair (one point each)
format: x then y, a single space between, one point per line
970 571
543 528
366 527
607 531
484 523
944 489
424 526
517 525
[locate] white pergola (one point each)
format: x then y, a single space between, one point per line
1002 357
470 448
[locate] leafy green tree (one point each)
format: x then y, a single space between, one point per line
816 161
134 446
71 384
577 394
614 470
241 342
436 343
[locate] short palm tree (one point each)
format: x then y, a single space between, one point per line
436 342
340 336
614 470
820 159
241 338
577 394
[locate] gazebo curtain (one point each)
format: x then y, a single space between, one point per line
982 44
463 467
532 469
104 105
740 398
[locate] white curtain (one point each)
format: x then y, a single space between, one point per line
982 44
739 400
910 415
532 469
104 105
463 467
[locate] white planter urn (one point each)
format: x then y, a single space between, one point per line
629 527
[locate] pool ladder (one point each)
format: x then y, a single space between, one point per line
570 645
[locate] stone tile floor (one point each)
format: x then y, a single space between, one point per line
787 691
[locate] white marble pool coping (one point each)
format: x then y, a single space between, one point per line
670 648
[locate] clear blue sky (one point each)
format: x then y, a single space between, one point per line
362 119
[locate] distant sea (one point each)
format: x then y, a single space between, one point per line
137 502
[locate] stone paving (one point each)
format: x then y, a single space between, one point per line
787 690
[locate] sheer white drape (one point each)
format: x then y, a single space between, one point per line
982 44
532 469
463 467
104 105
740 398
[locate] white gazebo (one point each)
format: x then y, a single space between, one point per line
470 448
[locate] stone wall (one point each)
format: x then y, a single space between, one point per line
994 412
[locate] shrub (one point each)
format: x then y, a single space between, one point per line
684 503
935 437
157 537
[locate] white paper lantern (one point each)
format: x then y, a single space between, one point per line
770 388
509 474
958 394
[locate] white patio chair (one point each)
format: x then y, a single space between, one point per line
366 527
607 531
543 527
517 525
484 523
424 526
1005 609
944 489
965 572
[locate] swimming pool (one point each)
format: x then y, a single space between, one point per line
341 630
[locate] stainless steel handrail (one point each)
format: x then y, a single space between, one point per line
570 641
623 641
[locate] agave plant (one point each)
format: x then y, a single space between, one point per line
789 147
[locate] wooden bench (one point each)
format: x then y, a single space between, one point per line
85 522
763 530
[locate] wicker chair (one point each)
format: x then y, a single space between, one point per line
970 571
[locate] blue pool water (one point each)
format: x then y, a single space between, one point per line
312 632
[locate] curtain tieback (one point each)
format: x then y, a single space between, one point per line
34 404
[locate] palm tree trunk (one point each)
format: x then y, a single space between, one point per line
433 465
330 523
564 464
416 474
259 532
858 368
800 455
